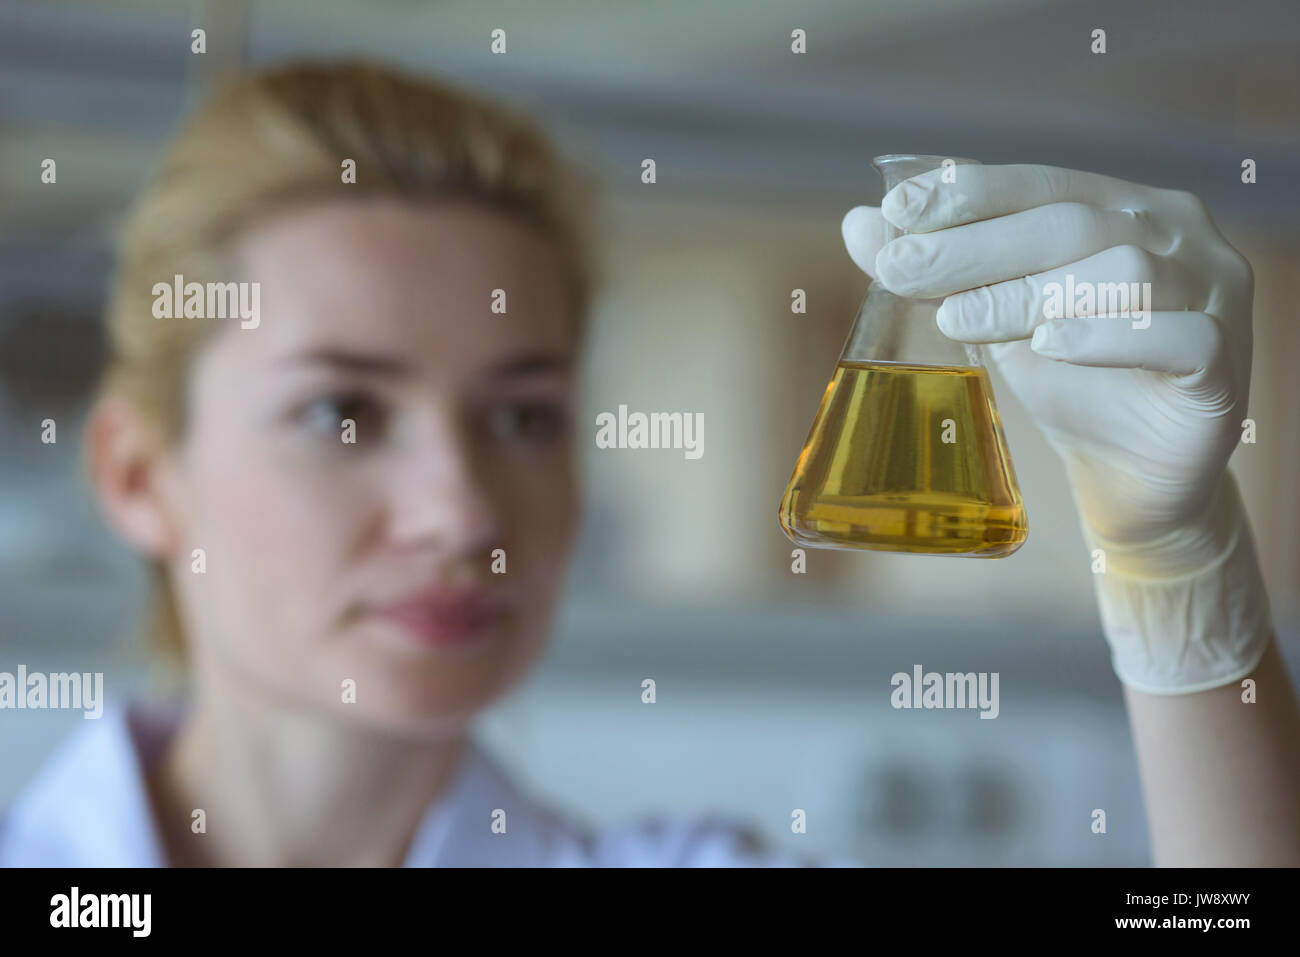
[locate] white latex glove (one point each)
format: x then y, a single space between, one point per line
1143 418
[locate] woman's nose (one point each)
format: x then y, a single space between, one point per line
440 493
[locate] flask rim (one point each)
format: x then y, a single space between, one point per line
897 157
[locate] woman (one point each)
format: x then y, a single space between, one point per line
330 490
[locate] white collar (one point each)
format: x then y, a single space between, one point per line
89 807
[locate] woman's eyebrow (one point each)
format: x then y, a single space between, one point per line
354 362
530 364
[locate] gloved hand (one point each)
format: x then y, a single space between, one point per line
1143 416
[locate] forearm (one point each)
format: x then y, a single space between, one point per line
1221 777
1188 621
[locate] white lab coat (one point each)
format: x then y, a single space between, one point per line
88 807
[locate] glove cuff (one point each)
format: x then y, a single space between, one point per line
1191 631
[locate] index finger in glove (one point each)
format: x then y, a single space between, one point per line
932 265
865 233
925 203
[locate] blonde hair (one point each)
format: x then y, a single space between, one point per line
277 137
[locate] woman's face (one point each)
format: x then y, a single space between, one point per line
381 473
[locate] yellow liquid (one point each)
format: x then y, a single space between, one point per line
876 472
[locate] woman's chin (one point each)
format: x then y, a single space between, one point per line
406 685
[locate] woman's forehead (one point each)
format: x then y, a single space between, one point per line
432 285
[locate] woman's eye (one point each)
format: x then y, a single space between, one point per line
530 421
345 416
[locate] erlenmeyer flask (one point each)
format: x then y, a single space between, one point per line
906 453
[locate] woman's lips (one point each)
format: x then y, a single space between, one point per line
445 618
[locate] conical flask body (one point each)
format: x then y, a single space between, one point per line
906 452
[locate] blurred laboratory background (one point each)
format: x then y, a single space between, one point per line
773 687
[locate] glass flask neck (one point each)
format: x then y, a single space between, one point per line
900 329
896 167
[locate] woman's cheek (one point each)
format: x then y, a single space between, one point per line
545 517
281 533
251 505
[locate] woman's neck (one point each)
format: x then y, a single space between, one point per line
282 785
